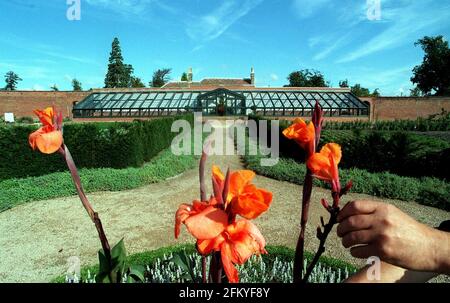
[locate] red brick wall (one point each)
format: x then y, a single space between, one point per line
392 108
22 103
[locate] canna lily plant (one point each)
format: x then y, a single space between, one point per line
214 222
48 139
322 165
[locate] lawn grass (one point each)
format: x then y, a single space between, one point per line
18 191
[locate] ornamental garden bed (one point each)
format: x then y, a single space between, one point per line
165 265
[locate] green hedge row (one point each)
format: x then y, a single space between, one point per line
402 153
93 145
440 122
427 191
59 184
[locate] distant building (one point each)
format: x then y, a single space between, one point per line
219 96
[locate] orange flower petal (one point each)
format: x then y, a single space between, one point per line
228 266
302 133
252 202
46 142
334 150
238 180
207 224
45 116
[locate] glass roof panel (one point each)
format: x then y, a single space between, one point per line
262 99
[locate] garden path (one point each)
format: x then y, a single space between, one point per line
37 238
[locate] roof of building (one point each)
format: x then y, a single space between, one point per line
213 82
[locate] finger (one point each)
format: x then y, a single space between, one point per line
357 208
357 238
363 251
354 223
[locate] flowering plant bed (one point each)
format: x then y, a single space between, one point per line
161 266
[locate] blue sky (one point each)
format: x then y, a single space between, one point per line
219 39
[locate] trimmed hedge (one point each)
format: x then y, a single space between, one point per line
402 153
59 184
93 145
439 122
427 191
282 253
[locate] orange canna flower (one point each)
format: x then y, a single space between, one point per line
245 198
48 139
202 219
303 134
324 165
237 243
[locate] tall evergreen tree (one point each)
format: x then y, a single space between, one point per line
184 77
119 74
11 79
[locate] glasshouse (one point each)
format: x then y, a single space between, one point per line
220 102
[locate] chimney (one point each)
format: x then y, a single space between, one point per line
190 75
252 76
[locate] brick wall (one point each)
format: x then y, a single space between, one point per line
392 108
22 103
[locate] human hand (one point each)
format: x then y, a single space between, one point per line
378 229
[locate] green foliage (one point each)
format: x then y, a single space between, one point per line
159 265
112 271
136 82
427 191
54 88
433 76
59 184
306 78
93 145
184 77
440 122
76 85
401 153
160 77
25 120
11 79
119 74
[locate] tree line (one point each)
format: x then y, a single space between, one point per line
431 77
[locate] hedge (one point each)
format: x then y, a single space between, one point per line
93 145
402 153
439 122
427 191
59 184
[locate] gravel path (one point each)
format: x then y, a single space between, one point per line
37 238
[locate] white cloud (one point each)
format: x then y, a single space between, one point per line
332 46
405 23
306 8
274 77
212 25
125 7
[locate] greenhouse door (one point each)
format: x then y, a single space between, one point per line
221 102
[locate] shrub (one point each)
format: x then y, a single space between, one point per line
59 184
427 191
25 120
93 145
401 153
